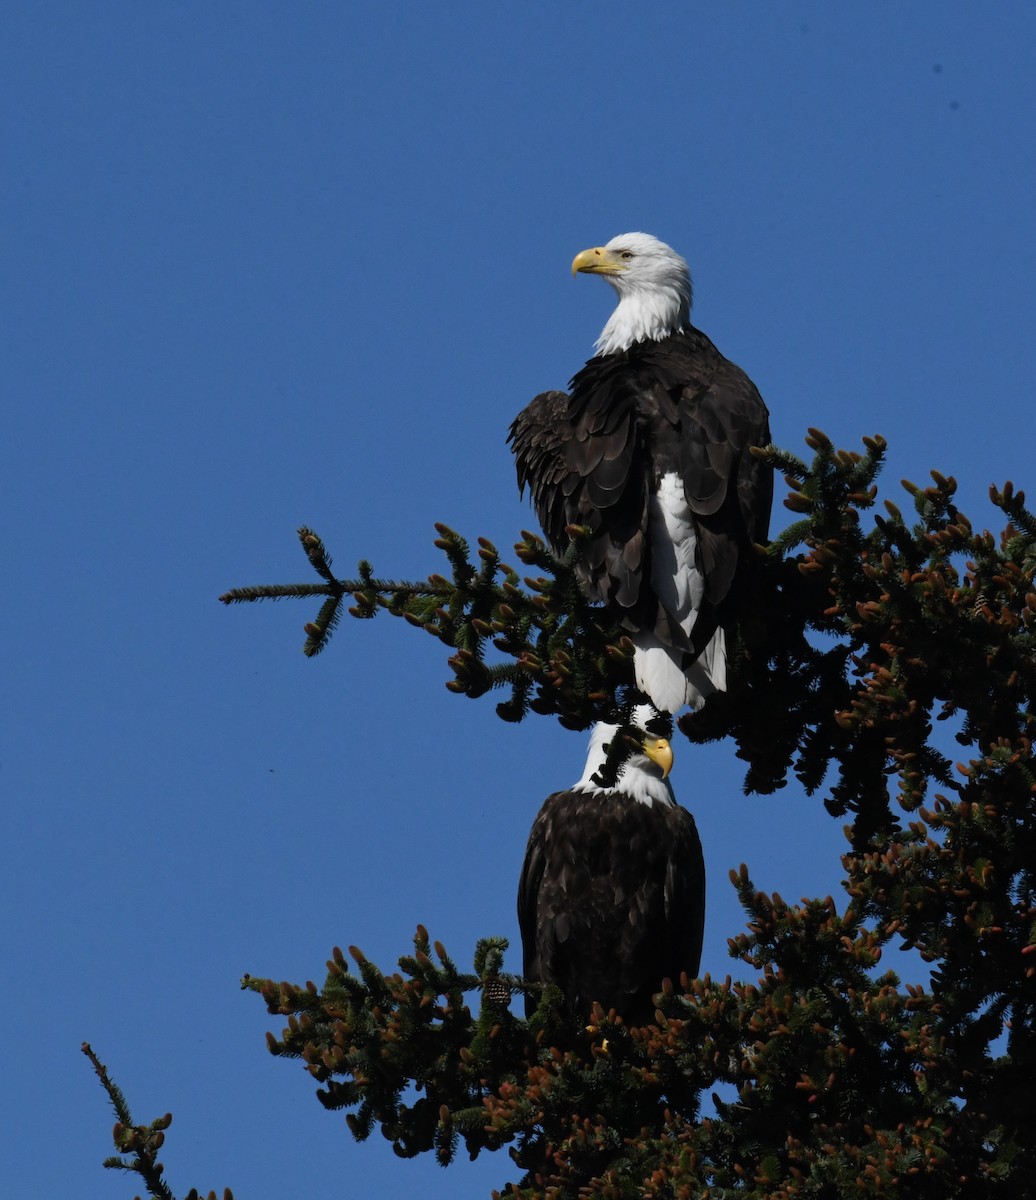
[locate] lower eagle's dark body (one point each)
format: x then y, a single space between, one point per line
671 410
611 900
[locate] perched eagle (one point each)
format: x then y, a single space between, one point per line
649 451
612 894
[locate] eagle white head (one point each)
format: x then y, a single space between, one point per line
654 287
643 776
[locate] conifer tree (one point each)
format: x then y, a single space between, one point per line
840 1080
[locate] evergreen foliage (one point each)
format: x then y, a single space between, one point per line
840 1079
556 654
142 1142
835 1079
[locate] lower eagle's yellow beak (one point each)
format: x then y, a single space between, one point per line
660 753
598 260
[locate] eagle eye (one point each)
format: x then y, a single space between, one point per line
627 254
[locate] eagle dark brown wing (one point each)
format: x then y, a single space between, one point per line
537 437
596 456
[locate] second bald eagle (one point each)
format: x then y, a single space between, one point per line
649 450
612 894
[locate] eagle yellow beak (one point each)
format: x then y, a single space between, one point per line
660 753
598 260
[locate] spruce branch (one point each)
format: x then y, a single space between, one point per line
542 642
141 1141
839 1072
857 629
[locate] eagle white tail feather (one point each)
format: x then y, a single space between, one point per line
714 659
661 675
680 586
675 576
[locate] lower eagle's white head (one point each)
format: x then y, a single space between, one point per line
654 287
643 776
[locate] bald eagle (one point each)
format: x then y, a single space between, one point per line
649 451
612 893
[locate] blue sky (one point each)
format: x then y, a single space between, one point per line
270 265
